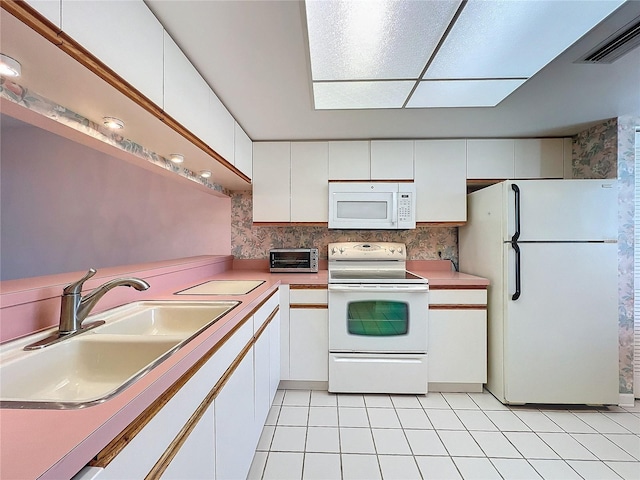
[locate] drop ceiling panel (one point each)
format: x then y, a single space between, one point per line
360 95
376 39
462 93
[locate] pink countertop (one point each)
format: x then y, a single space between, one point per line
58 443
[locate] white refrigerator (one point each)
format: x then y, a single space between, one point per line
549 248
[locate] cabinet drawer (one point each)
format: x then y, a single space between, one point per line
261 315
458 297
308 296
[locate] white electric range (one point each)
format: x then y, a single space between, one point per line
378 315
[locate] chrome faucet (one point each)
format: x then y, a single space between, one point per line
75 308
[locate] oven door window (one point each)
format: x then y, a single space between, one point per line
378 318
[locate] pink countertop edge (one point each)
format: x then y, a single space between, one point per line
40 443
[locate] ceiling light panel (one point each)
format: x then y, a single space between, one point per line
360 95
508 38
374 39
462 93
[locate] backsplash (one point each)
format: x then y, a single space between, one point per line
595 151
251 242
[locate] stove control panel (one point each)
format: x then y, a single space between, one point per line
367 251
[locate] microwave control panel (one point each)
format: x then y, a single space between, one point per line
404 207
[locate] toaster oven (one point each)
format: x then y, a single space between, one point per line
298 260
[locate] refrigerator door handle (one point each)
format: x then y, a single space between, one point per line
516 190
516 295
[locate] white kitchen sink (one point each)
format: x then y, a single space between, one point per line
93 366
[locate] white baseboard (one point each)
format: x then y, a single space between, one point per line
455 387
626 400
302 385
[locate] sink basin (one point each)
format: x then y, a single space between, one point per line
93 366
82 369
167 318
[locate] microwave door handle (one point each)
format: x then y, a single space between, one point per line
394 208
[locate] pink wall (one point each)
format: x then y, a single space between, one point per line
66 207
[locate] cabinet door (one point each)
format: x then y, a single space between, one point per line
186 94
125 36
392 160
195 459
309 182
243 155
309 344
274 356
441 180
458 346
539 158
49 8
271 182
490 159
350 160
220 129
262 370
234 423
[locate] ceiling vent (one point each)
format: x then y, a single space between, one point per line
614 47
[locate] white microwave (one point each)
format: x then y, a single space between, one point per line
372 205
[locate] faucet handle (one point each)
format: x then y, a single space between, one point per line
75 288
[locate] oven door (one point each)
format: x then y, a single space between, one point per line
378 318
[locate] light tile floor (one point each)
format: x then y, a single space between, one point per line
317 435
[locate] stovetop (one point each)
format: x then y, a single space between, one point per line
370 262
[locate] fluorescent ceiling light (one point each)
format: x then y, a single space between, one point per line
374 39
366 53
359 95
462 93
507 39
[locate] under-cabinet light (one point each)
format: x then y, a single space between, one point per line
113 123
9 67
176 157
204 173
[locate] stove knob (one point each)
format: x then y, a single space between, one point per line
400 251
333 250
341 250
392 250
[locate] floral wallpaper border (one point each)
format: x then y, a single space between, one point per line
252 242
20 95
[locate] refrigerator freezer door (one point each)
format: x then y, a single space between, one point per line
562 210
561 335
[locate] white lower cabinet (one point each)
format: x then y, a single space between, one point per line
195 460
457 347
308 335
194 436
234 423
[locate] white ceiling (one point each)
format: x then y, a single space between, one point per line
254 55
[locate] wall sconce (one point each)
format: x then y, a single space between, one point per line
9 67
113 123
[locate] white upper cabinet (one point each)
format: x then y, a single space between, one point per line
490 159
309 182
243 157
349 160
271 181
186 94
440 179
221 129
392 159
539 158
50 9
125 36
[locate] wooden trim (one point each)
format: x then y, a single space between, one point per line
309 305
458 287
109 452
290 224
299 286
30 17
456 307
440 224
266 323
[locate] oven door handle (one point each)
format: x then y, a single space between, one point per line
370 289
